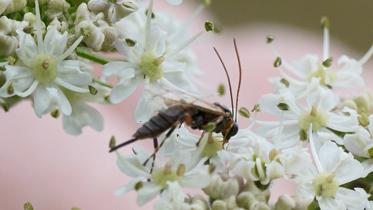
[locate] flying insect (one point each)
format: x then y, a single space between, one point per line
206 117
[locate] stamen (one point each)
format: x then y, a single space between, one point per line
185 44
71 49
148 25
39 34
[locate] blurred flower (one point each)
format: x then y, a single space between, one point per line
43 71
311 73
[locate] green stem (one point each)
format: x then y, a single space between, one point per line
92 57
102 83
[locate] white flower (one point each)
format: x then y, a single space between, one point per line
359 143
334 168
82 113
259 158
152 56
182 168
311 72
294 118
44 72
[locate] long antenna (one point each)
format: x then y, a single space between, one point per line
227 74
240 77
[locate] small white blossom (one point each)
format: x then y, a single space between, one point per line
311 72
151 57
44 72
333 168
295 117
182 168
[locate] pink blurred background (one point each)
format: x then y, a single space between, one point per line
52 170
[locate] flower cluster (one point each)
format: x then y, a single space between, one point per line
318 137
49 48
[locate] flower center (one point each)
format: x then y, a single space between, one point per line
325 185
165 174
316 118
151 66
44 68
323 74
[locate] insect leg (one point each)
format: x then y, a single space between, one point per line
168 134
155 144
200 138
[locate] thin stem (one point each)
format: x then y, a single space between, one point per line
102 83
92 57
326 43
367 56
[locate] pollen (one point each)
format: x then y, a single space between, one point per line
151 66
317 118
325 185
44 68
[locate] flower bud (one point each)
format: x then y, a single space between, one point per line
8 45
118 11
285 202
110 36
220 189
93 36
82 13
15 6
4 5
198 203
58 5
219 205
97 6
246 199
260 206
5 25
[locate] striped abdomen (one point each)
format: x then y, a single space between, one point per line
161 122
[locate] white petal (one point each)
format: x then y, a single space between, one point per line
330 156
147 193
61 100
330 204
42 101
353 199
71 87
55 42
82 115
122 91
131 166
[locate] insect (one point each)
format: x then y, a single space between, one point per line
216 117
